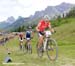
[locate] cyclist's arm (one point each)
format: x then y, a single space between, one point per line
38 26
51 29
25 35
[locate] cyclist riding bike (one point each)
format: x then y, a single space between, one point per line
41 27
20 39
28 35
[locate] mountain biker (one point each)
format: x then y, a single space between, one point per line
20 39
43 24
28 35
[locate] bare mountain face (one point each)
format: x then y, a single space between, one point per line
52 11
10 20
7 22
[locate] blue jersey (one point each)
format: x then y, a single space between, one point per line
28 34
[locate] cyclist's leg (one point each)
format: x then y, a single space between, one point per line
29 40
40 41
22 43
26 41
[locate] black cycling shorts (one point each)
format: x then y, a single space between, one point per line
41 33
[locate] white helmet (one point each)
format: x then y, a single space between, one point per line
46 17
29 27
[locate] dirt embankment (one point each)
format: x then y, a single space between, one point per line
5 38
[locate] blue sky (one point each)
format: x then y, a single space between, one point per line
25 8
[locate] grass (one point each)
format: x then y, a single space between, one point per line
66 56
65 37
65 34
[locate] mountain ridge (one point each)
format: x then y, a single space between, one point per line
52 11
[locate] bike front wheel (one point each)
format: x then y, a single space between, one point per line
52 49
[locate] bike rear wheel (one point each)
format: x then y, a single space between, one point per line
52 49
25 48
29 48
39 50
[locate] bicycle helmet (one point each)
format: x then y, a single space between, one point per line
46 17
29 27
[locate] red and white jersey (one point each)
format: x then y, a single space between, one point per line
43 25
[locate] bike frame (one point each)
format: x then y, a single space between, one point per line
47 36
45 43
45 46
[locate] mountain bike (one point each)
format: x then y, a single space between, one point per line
49 45
27 47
